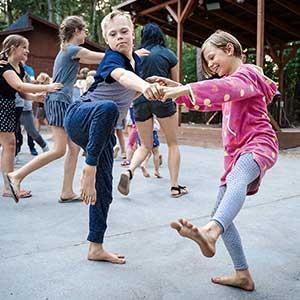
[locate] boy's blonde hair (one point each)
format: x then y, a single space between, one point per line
220 39
108 18
10 42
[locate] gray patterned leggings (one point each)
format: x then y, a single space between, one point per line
230 200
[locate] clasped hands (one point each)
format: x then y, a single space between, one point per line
161 88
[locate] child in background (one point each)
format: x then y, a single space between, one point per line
157 158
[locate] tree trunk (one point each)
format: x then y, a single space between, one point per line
50 11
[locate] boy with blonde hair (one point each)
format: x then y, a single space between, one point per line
91 122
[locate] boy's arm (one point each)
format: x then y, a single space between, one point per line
131 81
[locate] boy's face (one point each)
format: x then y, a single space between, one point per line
119 35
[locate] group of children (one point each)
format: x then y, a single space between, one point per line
242 93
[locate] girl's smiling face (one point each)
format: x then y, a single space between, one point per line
219 61
119 35
21 52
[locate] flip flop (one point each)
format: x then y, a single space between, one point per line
22 194
124 183
69 200
14 193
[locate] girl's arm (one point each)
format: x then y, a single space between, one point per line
16 83
89 57
131 81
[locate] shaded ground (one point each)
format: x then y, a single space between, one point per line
43 247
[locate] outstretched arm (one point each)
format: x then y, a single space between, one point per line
89 57
16 83
133 82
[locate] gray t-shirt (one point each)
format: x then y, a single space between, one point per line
65 71
106 88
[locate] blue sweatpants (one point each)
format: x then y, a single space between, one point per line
91 126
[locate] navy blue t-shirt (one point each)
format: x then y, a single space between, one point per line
106 88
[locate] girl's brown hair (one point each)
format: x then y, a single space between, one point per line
220 39
68 28
10 42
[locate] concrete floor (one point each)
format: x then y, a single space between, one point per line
43 243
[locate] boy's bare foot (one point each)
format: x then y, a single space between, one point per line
97 253
198 235
87 184
241 280
145 172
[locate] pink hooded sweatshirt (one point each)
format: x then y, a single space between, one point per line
246 128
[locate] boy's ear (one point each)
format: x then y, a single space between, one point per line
229 49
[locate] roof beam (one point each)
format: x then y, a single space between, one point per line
187 10
289 5
274 21
156 7
212 26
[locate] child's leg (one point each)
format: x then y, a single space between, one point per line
156 161
245 171
228 205
144 166
91 126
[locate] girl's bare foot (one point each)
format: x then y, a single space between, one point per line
15 181
241 280
198 235
157 174
145 172
97 253
87 183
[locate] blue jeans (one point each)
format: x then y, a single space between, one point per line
91 126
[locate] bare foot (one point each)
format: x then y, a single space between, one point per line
198 235
102 255
87 184
15 181
241 280
157 174
145 172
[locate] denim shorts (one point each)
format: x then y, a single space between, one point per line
145 109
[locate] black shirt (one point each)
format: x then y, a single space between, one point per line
6 91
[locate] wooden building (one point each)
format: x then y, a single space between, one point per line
43 39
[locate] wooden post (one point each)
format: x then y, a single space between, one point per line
179 50
260 33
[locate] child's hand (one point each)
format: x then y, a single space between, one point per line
174 92
162 81
153 92
40 97
52 87
142 52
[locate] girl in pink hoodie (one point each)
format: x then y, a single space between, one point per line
250 143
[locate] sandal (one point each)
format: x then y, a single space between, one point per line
22 194
13 190
181 190
125 163
124 183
